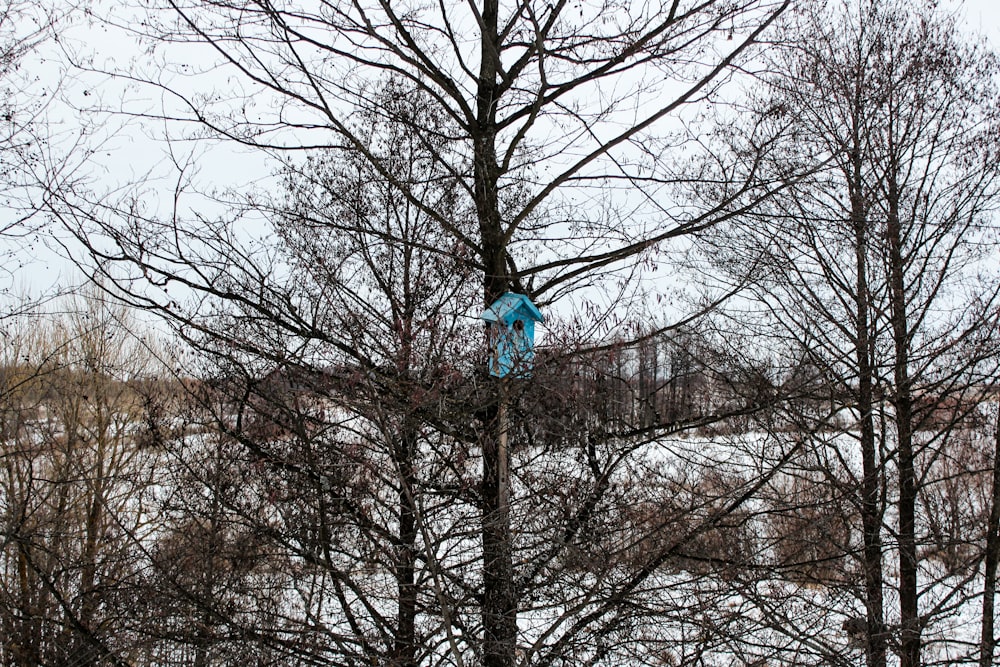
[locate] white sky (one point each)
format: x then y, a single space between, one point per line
983 15
127 155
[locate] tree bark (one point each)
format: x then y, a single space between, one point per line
871 515
987 641
499 602
908 597
405 647
499 606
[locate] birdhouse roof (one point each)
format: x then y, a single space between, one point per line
510 306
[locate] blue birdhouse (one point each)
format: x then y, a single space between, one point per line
512 320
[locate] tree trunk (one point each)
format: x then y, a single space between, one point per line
987 641
405 648
499 606
871 516
908 603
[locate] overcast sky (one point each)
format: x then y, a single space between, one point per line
984 15
126 152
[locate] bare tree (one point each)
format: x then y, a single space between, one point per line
554 193
74 481
869 267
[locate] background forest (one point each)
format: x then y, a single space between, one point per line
762 426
